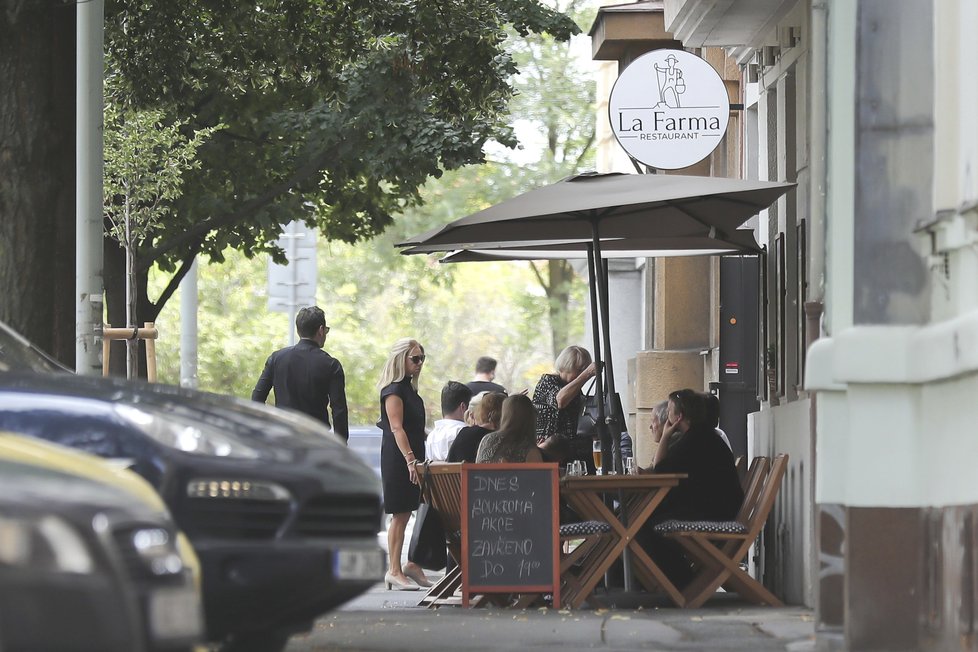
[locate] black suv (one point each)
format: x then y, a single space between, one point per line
283 516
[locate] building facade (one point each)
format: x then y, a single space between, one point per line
681 297
868 363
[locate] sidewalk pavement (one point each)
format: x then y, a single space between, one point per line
389 620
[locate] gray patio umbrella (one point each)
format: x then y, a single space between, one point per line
740 241
591 211
611 206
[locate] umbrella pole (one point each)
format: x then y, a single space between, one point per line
597 268
592 268
594 278
616 419
611 451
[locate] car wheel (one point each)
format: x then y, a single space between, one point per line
273 641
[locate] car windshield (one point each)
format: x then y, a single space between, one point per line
17 354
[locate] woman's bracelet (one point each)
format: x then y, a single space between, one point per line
408 454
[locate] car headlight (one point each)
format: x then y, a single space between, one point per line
48 543
158 551
243 489
186 435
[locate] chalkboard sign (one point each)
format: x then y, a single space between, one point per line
509 530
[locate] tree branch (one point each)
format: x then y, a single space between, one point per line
177 277
584 150
543 284
248 209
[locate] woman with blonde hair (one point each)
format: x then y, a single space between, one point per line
402 419
559 402
516 440
488 411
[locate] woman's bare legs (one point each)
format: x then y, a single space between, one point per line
395 544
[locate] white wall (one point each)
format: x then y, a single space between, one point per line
786 429
626 300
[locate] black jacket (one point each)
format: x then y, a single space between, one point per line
307 379
712 491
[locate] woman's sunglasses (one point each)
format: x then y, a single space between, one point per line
416 359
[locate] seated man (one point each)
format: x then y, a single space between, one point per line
455 399
711 491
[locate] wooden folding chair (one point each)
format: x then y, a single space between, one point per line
589 534
442 486
741 464
719 547
752 483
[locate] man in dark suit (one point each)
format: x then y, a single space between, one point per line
306 378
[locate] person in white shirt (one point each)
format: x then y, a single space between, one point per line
455 397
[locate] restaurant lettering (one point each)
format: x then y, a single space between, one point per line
662 122
669 109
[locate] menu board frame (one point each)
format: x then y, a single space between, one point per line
544 550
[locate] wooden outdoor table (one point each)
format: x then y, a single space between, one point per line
641 495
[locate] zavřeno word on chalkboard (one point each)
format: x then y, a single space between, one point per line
509 529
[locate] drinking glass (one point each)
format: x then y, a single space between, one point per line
630 468
579 468
571 469
596 454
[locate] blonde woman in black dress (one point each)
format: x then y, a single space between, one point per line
402 419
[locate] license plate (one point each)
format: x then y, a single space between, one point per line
175 613
358 565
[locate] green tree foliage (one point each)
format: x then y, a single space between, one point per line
555 95
336 112
145 163
458 312
373 295
554 111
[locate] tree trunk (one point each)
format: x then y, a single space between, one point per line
114 264
37 173
558 297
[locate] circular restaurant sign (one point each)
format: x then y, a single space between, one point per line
669 109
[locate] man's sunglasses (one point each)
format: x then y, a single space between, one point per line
416 359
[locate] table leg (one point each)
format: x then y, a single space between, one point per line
652 576
603 556
636 508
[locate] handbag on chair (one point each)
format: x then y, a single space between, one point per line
427 548
587 426
587 423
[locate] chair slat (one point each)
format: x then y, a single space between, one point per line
753 483
718 554
444 489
